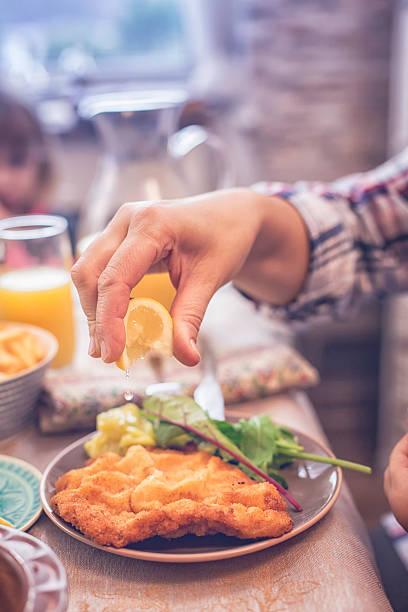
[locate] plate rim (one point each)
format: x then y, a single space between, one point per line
38 475
198 557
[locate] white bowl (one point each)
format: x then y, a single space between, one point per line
19 392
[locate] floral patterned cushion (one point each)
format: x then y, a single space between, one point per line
71 401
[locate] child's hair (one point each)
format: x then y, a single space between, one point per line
22 140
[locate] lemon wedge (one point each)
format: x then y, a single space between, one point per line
149 327
6 523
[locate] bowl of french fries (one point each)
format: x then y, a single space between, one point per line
26 352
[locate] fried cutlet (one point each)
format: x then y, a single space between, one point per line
118 500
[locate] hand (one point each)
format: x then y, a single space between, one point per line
203 242
396 481
4 212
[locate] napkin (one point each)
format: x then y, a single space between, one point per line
72 400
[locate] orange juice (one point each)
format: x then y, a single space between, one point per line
157 286
41 296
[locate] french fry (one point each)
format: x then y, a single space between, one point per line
19 350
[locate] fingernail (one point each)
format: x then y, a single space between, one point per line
194 345
104 350
92 347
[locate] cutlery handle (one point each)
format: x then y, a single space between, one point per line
208 394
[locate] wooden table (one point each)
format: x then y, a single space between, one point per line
329 567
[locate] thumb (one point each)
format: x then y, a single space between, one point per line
188 310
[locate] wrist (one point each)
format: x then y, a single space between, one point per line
276 268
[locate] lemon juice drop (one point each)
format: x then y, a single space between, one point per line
128 394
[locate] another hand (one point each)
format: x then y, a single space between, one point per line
396 481
5 212
203 242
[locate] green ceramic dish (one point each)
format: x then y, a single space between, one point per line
20 502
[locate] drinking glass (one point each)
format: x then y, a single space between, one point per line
35 286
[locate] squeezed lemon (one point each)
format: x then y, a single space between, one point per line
149 327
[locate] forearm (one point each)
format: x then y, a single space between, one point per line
358 247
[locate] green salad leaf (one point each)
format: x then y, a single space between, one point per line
272 446
258 440
186 414
171 436
231 430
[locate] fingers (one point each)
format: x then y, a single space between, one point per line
193 295
148 241
398 462
123 271
396 481
86 272
399 455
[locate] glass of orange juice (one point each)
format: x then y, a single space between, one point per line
35 286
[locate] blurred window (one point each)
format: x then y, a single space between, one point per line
46 44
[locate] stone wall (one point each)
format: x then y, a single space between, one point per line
314 93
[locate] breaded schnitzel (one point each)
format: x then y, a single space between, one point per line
118 500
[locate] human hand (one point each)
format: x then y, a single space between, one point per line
396 481
203 242
4 212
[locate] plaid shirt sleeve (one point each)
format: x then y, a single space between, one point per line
358 231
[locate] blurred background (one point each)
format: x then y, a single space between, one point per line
277 90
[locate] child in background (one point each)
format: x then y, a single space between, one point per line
25 168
